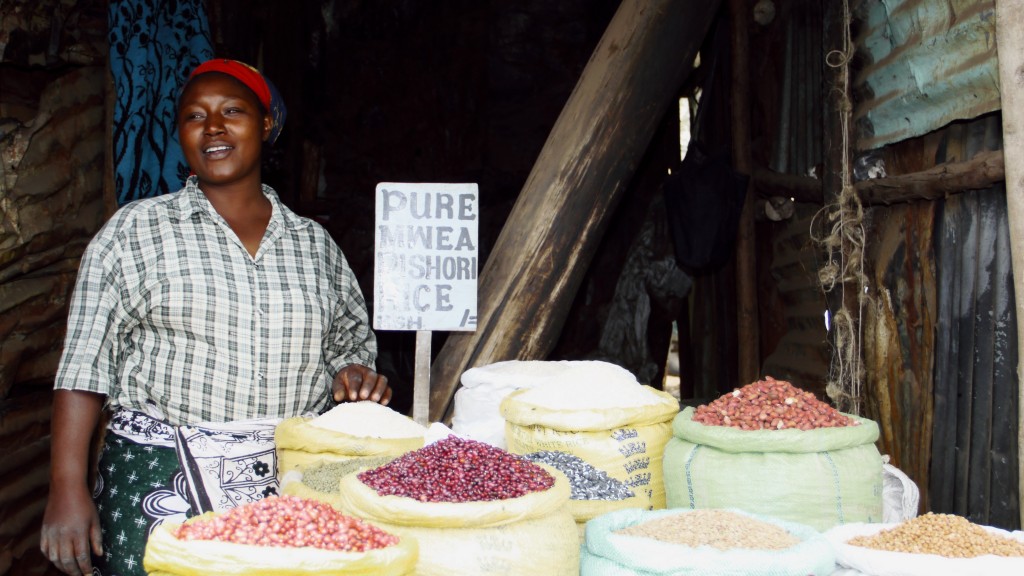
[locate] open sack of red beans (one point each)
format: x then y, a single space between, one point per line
771 448
278 536
473 508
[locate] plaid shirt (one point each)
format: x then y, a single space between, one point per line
171 316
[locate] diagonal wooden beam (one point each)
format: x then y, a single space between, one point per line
547 243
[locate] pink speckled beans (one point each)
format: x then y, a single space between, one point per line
288 521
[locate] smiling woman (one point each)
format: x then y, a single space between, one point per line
222 125
214 307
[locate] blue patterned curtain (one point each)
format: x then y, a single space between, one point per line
154 44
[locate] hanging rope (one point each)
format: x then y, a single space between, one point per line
842 239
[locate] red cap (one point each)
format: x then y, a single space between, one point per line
240 71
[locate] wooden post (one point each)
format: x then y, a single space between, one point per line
748 332
421 382
541 256
1010 47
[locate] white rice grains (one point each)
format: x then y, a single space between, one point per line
369 420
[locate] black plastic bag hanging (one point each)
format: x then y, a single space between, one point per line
703 200
704 196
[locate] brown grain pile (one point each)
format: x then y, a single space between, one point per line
941 534
717 528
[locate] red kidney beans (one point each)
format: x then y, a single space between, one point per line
458 470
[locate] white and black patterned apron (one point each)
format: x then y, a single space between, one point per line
152 473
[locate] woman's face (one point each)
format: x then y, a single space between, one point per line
221 128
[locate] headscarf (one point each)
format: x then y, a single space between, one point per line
260 85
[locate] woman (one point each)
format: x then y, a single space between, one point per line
214 304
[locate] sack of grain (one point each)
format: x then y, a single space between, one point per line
322 481
271 537
349 430
702 542
900 495
820 477
474 509
928 545
475 406
613 424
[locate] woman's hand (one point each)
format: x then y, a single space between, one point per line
71 530
71 525
355 382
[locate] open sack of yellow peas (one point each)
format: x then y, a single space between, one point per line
929 545
278 536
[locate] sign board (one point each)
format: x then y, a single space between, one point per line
426 257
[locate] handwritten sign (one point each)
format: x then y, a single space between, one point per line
426 257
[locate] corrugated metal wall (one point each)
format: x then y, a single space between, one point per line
921 65
974 448
795 341
899 334
939 331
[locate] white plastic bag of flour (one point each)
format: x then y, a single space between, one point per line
476 413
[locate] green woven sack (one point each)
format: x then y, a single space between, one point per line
821 478
607 553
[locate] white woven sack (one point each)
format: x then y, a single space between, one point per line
883 563
476 414
900 495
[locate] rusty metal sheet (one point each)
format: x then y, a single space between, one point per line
899 335
921 64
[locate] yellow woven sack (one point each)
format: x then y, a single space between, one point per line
301 445
627 443
167 556
531 534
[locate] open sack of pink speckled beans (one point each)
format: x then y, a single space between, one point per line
474 509
769 448
278 536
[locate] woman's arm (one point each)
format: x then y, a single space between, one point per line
71 525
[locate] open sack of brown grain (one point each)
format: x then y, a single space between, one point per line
702 542
929 545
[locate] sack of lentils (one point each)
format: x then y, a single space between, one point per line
702 542
322 481
770 448
349 430
607 432
473 508
928 545
278 536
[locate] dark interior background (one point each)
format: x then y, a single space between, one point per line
454 91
